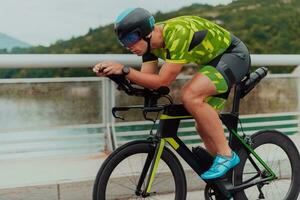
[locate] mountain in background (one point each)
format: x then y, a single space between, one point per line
8 43
266 26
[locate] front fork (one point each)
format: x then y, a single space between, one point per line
151 162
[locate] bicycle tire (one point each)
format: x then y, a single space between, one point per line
133 148
287 146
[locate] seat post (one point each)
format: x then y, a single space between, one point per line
236 100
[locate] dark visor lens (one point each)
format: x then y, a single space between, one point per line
130 39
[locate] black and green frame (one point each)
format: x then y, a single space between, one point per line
167 133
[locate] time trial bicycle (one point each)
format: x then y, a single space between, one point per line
269 165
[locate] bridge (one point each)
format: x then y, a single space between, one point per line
56 132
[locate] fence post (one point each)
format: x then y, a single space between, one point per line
107 104
112 99
298 86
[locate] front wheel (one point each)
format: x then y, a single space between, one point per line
119 176
281 155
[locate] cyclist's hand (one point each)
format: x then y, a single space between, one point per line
106 68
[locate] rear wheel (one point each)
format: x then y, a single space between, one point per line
281 155
119 177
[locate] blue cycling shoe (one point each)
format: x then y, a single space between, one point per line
221 166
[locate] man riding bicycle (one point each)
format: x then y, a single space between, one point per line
224 59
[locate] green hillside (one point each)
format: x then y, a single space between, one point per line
266 26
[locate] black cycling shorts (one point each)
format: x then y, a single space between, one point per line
234 63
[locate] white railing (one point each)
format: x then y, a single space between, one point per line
88 60
107 88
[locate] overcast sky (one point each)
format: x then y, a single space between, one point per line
46 21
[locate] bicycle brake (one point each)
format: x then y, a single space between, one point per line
114 112
248 140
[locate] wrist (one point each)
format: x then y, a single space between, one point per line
125 70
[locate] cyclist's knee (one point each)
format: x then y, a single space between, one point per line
188 97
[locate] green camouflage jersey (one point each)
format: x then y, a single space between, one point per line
190 39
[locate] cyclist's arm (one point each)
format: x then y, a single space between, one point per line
150 67
165 77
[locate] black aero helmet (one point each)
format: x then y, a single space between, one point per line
133 24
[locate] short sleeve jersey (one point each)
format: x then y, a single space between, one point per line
190 39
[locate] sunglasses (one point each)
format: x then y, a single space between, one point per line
130 39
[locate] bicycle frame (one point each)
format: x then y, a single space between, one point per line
167 133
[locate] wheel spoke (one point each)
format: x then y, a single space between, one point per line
278 156
122 175
123 186
161 181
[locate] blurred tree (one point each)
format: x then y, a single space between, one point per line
269 26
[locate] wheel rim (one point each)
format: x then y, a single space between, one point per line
277 159
124 178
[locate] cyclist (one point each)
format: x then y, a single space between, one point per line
224 61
